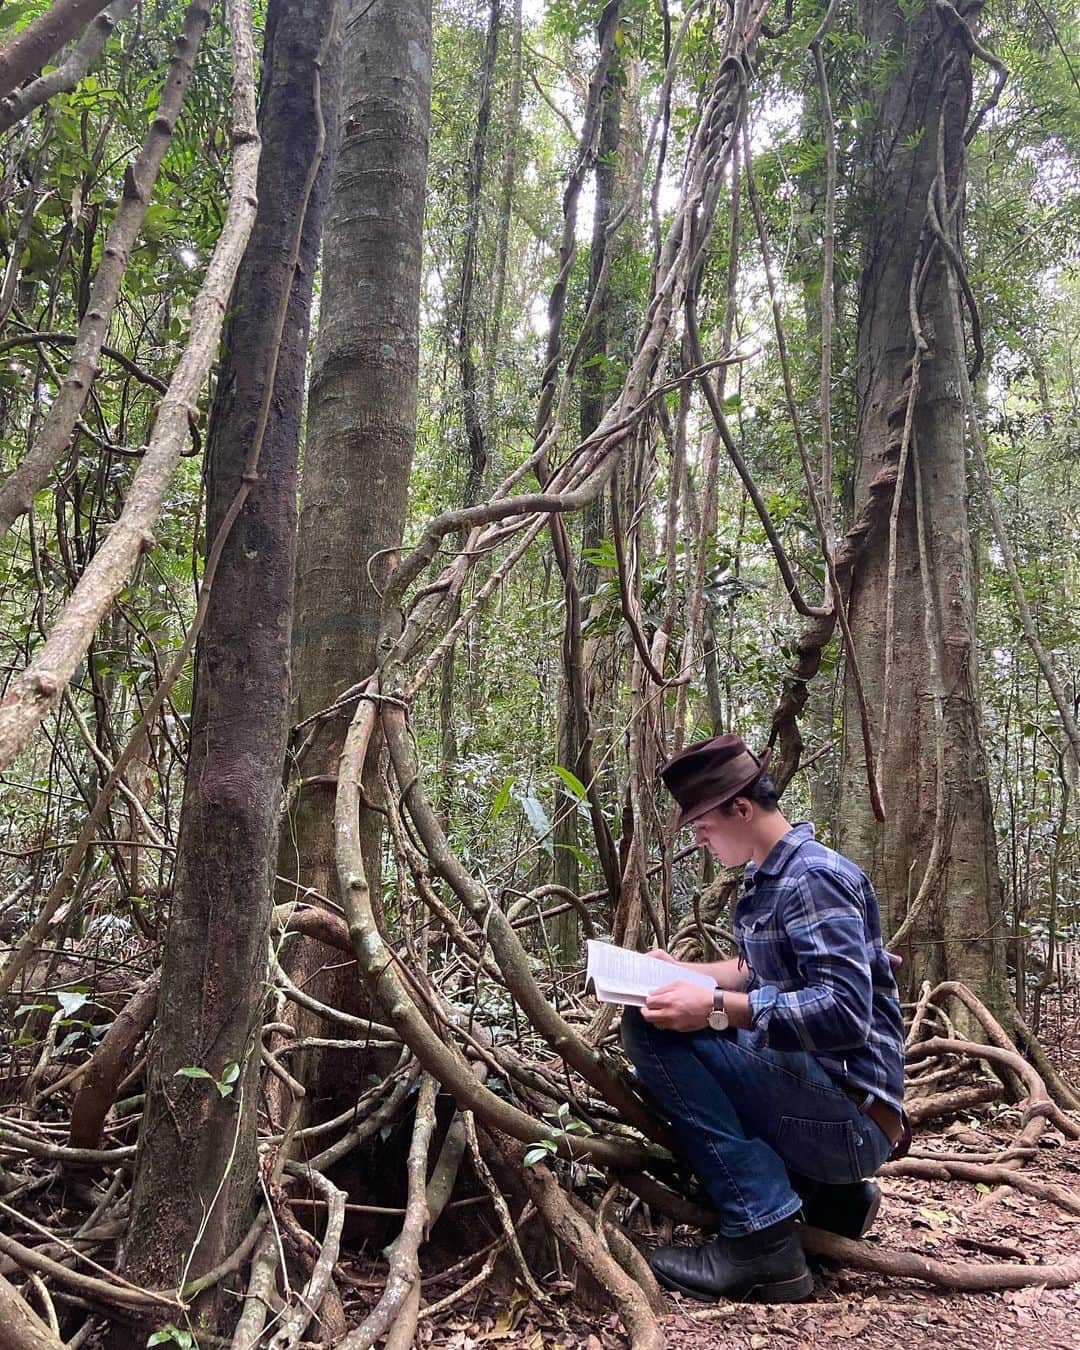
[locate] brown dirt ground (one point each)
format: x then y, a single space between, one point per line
952 1221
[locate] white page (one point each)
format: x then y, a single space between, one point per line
622 976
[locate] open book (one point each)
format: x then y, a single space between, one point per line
622 976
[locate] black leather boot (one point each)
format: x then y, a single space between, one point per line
848 1211
768 1266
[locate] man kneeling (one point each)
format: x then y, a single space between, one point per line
784 1087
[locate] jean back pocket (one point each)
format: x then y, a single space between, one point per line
824 1150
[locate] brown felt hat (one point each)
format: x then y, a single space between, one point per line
711 774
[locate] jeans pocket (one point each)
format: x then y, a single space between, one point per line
824 1150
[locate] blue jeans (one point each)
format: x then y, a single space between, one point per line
744 1115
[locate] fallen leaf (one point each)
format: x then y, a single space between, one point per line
1028 1296
850 1326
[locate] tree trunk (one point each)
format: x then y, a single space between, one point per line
594 398
473 415
42 38
196 1160
507 182
957 932
361 421
466 336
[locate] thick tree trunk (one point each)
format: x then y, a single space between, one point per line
196 1161
958 931
361 419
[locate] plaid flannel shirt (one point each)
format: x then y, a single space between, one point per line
808 926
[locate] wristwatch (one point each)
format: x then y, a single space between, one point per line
718 1018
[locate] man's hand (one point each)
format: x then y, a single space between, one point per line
679 1007
658 954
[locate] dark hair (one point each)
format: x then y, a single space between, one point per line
762 792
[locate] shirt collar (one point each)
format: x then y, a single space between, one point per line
782 851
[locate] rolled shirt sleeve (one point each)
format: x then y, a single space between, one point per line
831 1010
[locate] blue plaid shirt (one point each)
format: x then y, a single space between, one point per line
807 924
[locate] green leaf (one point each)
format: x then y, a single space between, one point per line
603 555
231 1074
174 1335
576 786
11 14
192 1071
579 853
502 797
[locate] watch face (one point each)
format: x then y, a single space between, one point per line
718 1020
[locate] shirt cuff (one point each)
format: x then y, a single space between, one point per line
762 1001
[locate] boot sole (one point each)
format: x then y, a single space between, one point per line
780 1291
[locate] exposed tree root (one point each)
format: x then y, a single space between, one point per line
962 1275
109 1064
404 1275
1039 1107
295 1319
951 1103
989 1173
260 1289
569 1227
110 1291
20 1326
1021 1037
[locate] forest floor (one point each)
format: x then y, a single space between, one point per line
951 1221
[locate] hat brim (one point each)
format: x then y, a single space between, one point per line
689 814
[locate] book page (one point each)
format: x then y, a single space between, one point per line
619 975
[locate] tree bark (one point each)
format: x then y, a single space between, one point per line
43 38
21 103
470 382
361 422
20 1326
196 1158
958 932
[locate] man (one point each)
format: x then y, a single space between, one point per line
785 1086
